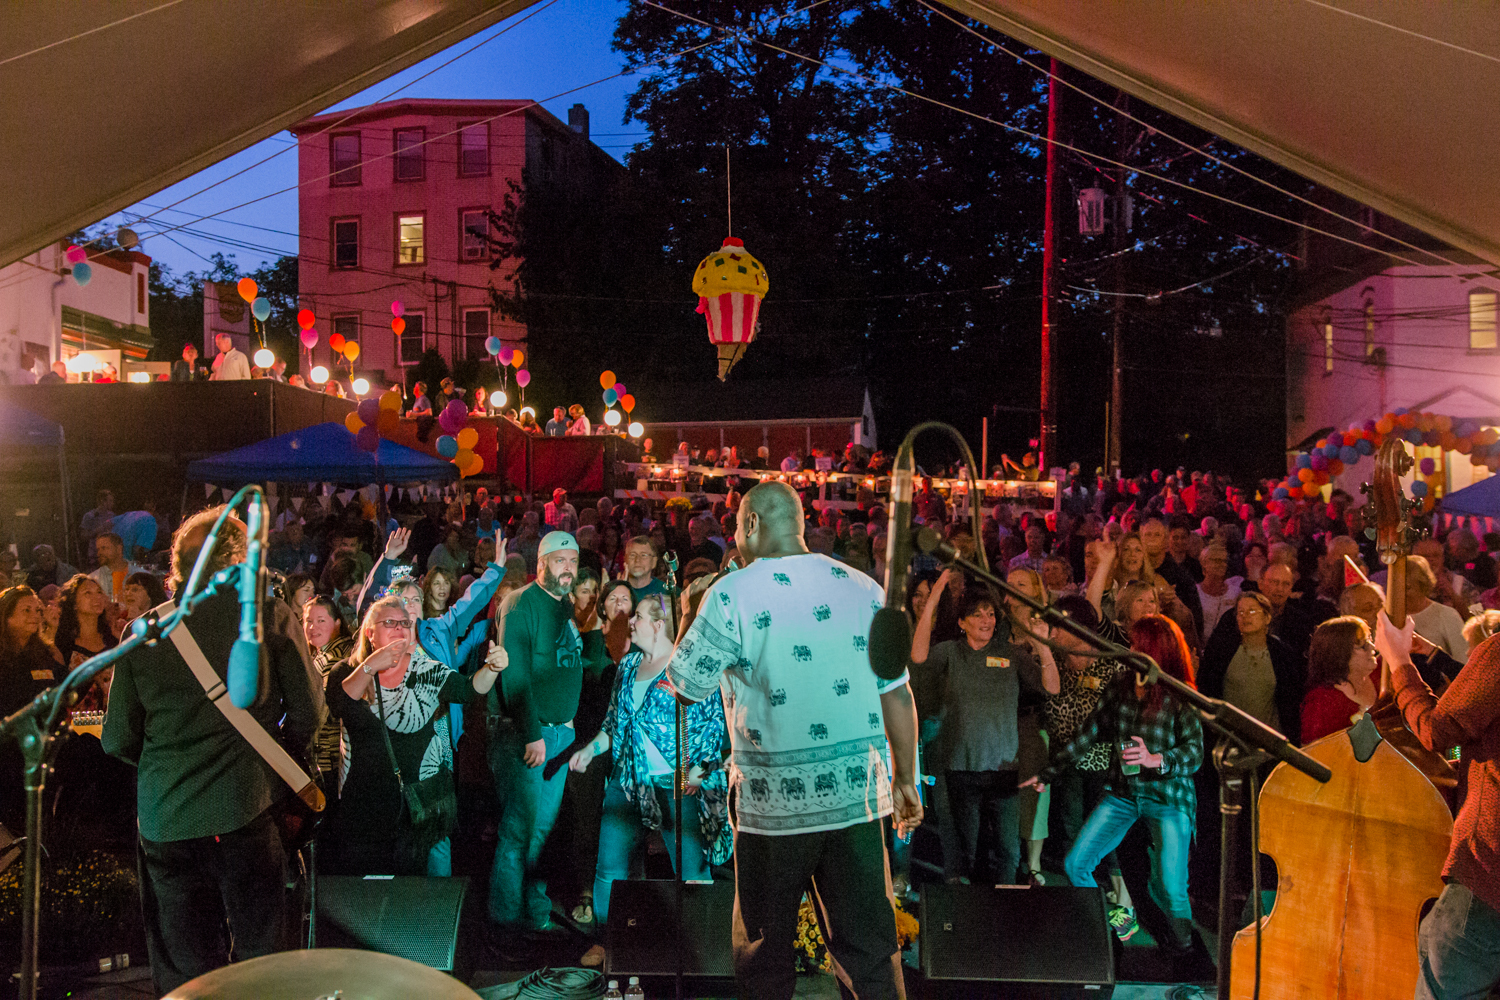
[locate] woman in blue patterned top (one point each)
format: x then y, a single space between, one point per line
640 727
1157 746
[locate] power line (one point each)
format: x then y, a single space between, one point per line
84 34
747 37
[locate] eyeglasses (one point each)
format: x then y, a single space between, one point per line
397 623
1249 612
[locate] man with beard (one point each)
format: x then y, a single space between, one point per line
531 723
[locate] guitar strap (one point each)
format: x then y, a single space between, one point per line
248 726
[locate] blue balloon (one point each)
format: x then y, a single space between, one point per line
1364 447
1413 436
1304 461
1280 493
83 273
1348 454
447 446
260 308
1398 411
610 396
1331 451
1419 489
492 345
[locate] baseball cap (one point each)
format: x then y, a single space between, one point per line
554 541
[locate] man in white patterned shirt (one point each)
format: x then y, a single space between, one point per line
784 639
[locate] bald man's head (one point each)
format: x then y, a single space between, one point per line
769 522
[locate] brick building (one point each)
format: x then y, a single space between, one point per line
394 202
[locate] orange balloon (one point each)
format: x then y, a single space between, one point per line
336 343
463 458
353 422
247 289
387 422
391 401
475 467
1311 489
1385 425
628 403
351 349
1463 445
467 439
606 380
398 324
516 358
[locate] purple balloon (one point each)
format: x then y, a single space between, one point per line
456 406
368 438
369 410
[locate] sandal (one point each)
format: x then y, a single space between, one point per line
583 913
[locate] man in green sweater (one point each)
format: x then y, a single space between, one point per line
531 722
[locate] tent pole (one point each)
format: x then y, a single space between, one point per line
62 475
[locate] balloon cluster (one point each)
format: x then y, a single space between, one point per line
458 441
1330 456
348 348
306 319
83 271
373 419
615 392
509 357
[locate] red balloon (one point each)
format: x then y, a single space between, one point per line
306 319
336 342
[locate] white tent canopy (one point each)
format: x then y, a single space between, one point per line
1391 103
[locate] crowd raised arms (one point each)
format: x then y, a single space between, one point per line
541 643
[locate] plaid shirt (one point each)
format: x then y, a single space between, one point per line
1174 732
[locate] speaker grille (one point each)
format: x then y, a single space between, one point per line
643 942
408 916
1045 934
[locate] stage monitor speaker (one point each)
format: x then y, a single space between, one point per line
410 916
644 942
1052 941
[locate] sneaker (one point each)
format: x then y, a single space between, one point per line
583 913
1123 921
1035 878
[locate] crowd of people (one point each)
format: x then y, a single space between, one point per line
540 645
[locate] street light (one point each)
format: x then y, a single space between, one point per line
319 374
636 428
360 386
498 399
526 409
264 358
82 362
612 417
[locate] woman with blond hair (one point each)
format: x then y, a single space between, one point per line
1035 805
390 698
578 423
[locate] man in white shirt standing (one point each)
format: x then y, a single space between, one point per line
231 363
114 568
785 640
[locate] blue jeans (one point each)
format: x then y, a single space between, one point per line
529 799
1171 836
1459 945
620 830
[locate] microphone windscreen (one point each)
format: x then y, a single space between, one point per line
890 643
243 677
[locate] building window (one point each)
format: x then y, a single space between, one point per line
345 243
410 162
346 326
343 159
140 292
1327 348
476 331
473 149
476 226
1482 303
411 245
413 338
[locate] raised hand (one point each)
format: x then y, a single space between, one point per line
396 544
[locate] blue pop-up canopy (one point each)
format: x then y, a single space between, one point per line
20 427
323 453
1480 500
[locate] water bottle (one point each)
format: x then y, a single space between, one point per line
634 991
613 993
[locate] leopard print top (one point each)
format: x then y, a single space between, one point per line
1070 707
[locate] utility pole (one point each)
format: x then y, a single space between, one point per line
1117 351
1049 265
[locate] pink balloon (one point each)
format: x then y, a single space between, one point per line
77 255
397 308
619 388
523 378
506 355
309 339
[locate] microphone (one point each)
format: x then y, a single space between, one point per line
890 631
934 544
247 657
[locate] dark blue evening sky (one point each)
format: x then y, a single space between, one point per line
557 48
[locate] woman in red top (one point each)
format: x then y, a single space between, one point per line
1342 677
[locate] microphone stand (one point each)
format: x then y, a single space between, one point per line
1249 742
39 728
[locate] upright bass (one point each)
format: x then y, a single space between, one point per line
1359 857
